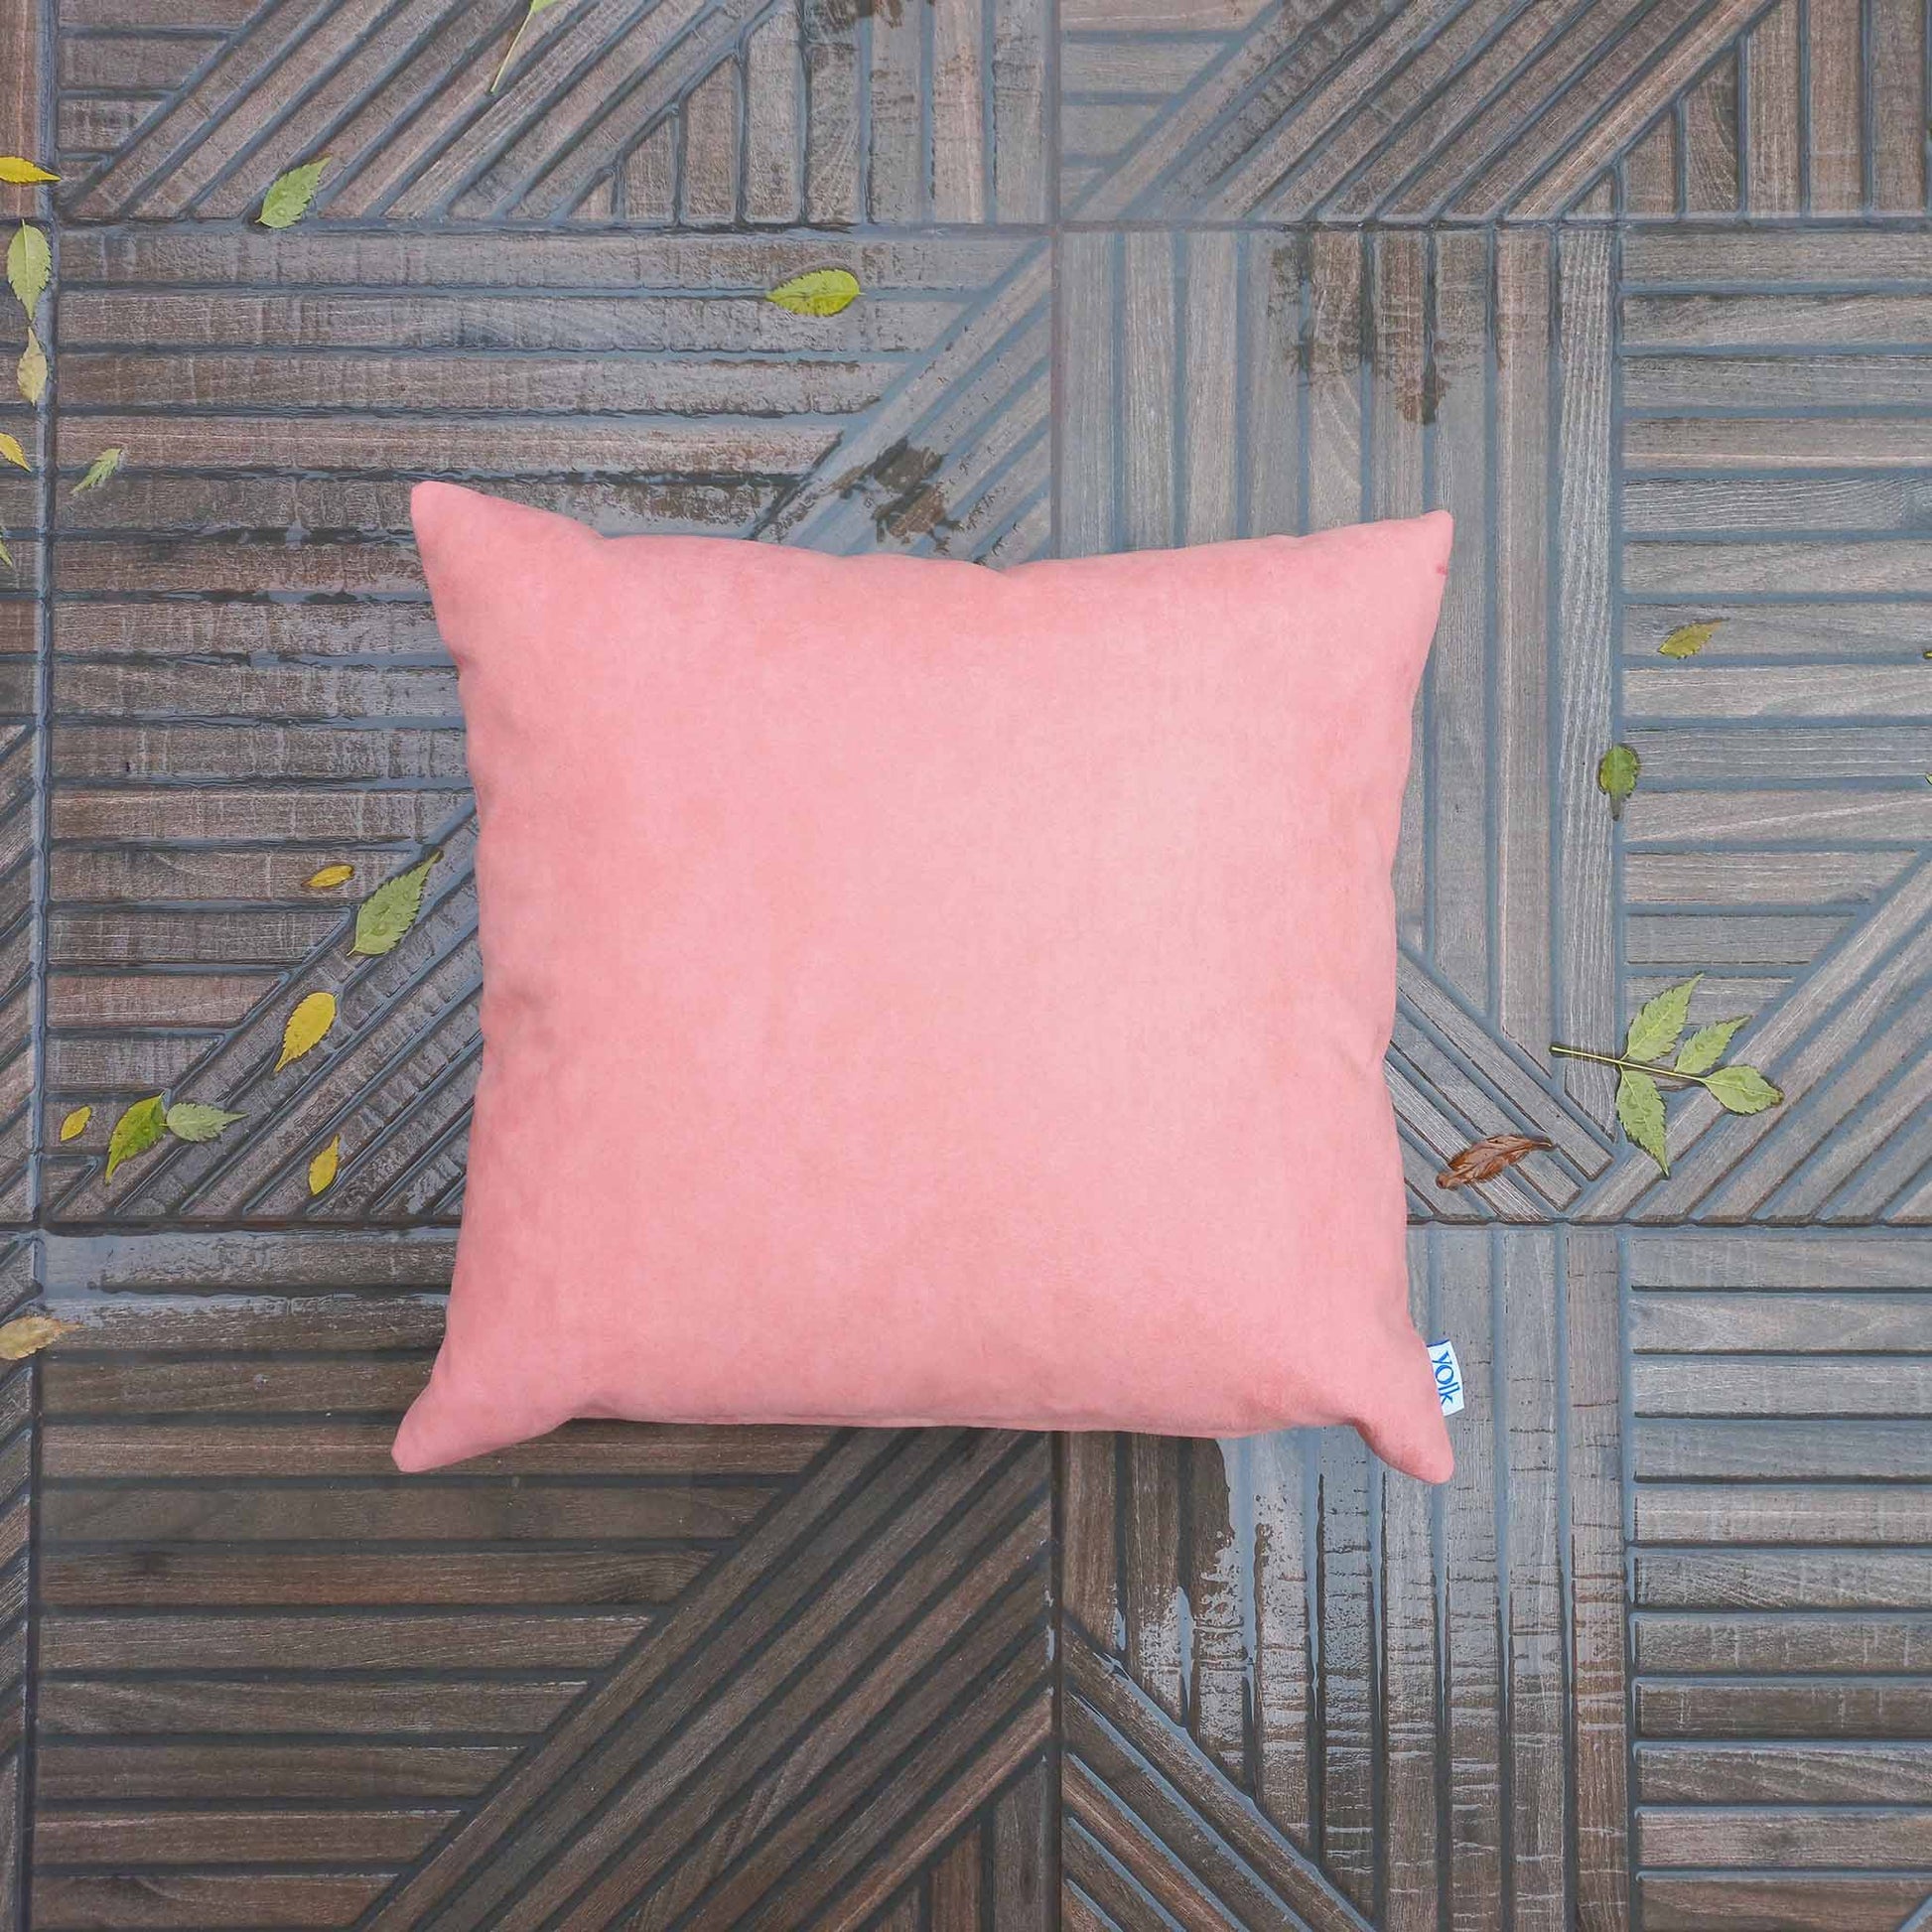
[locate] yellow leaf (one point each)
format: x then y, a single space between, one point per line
14 454
311 1019
1688 639
819 292
76 1123
28 1334
322 1169
321 881
21 172
32 373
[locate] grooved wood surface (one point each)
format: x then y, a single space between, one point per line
1641 290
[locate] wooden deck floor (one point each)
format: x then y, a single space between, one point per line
1642 291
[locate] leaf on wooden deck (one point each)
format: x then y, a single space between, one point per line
328 878
75 1124
819 292
1705 1047
30 266
322 1169
191 1120
14 454
1689 638
1742 1090
6 555
30 376
1659 1022
1485 1160
516 40
98 470
307 1025
291 196
16 170
1640 1107
1617 776
28 1334
136 1131
391 909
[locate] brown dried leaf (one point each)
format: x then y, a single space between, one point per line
1485 1160
28 1334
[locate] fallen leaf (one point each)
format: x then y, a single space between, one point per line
391 909
31 376
14 454
1640 1107
516 40
21 172
328 876
98 470
1705 1047
30 265
191 1120
1743 1090
819 292
1688 639
136 1131
6 555
1654 1031
322 1169
1617 776
76 1123
288 196
1485 1160
310 1020
28 1334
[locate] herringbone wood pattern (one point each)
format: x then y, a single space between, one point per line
1641 290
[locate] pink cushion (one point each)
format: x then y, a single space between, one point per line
916 993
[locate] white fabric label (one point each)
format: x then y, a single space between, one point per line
1449 1376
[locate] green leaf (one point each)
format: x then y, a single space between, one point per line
819 292
1617 776
290 195
31 375
1743 1090
1705 1047
98 470
390 911
189 1120
30 265
136 1131
1653 1033
11 450
1688 639
1640 1107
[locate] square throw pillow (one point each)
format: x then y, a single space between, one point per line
918 993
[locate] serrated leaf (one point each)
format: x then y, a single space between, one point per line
31 375
136 1131
391 909
1617 776
1654 1031
21 172
28 1334
11 450
819 292
290 195
306 1027
98 470
1640 1107
189 1120
1485 1160
30 266
1705 1047
75 1124
1688 639
322 1169
1743 1090
328 878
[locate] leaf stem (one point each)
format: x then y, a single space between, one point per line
1629 1066
516 41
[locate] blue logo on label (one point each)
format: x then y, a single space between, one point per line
1449 1376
